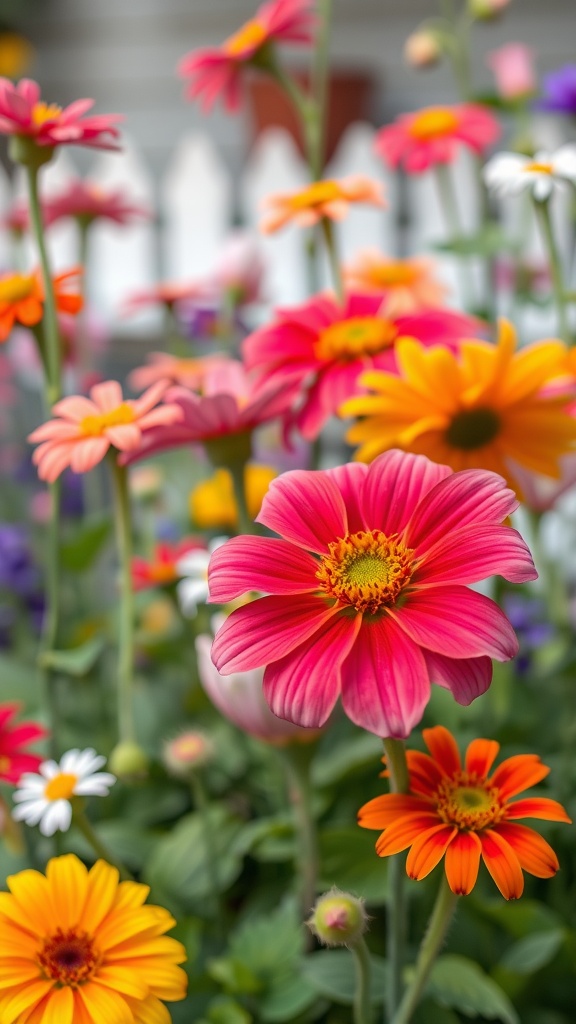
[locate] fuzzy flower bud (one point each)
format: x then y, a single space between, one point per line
422 49
128 761
485 10
187 752
338 919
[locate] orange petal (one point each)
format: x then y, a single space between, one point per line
428 850
384 810
402 833
518 773
444 749
480 756
534 854
425 775
503 864
462 862
538 807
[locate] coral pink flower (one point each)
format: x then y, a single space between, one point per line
367 597
88 202
167 294
330 199
230 403
13 759
407 285
327 347
513 68
22 112
87 427
160 570
433 136
190 373
217 72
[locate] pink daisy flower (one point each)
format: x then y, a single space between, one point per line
88 202
87 427
165 294
367 590
433 136
217 72
22 112
189 372
14 760
325 347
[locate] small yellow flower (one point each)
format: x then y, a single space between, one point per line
213 505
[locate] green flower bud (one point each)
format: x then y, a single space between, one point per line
128 762
338 919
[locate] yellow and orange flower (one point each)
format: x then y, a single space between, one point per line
213 505
80 947
22 298
485 407
464 813
406 286
330 199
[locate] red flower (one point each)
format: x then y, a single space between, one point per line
160 570
22 112
13 760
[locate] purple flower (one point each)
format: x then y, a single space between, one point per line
559 91
18 573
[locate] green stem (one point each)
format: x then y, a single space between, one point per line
396 922
446 195
51 619
237 471
51 332
362 1003
201 804
330 240
440 919
123 524
543 213
320 70
83 825
297 759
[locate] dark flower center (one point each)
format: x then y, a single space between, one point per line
473 428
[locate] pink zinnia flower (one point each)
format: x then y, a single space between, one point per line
14 761
327 346
217 71
367 597
434 135
166 294
88 202
86 427
190 372
514 72
22 112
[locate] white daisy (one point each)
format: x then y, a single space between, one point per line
511 173
193 589
44 799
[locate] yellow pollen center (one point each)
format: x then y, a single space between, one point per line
539 168
469 802
366 571
358 336
68 958
16 287
316 194
42 112
434 123
61 787
95 426
393 275
250 37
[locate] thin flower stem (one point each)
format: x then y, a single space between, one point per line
123 524
440 919
330 240
296 758
83 825
237 471
50 622
446 195
396 922
542 207
362 1004
51 332
200 799
320 68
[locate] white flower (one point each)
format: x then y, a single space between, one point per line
44 799
511 173
194 567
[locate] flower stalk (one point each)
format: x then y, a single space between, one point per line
395 752
296 759
362 1003
123 525
542 207
80 820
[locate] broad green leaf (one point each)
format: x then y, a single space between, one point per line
286 998
489 241
268 944
76 661
332 763
532 952
79 554
228 1011
332 973
521 918
234 976
350 862
462 985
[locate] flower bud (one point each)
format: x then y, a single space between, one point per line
485 10
422 49
338 919
187 752
128 762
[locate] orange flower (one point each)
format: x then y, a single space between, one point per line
465 813
330 198
405 285
22 298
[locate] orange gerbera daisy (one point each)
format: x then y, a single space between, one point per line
406 286
465 813
330 198
484 407
78 947
22 298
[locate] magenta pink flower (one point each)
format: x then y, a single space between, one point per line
217 71
88 202
22 112
514 72
14 759
367 597
324 347
434 135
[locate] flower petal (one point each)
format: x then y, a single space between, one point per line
474 553
537 807
443 748
462 862
503 864
395 485
480 756
260 563
402 833
383 810
457 622
428 849
306 508
470 496
518 773
534 854
466 678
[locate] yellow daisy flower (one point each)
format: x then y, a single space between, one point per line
79 947
485 407
213 505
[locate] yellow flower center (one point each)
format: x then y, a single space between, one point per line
251 36
393 275
16 287
42 112
473 428
469 802
358 336
316 194
539 168
434 122
61 787
366 571
69 957
95 426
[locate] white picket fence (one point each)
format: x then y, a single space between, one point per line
194 204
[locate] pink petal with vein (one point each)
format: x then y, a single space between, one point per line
306 508
470 496
260 563
350 480
457 622
126 436
76 407
107 395
474 553
88 453
395 484
466 678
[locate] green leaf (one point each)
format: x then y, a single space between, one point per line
332 973
234 976
287 998
350 862
335 761
78 554
267 945
462 985
489 241
519 919
76 661
228 1011
532 952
